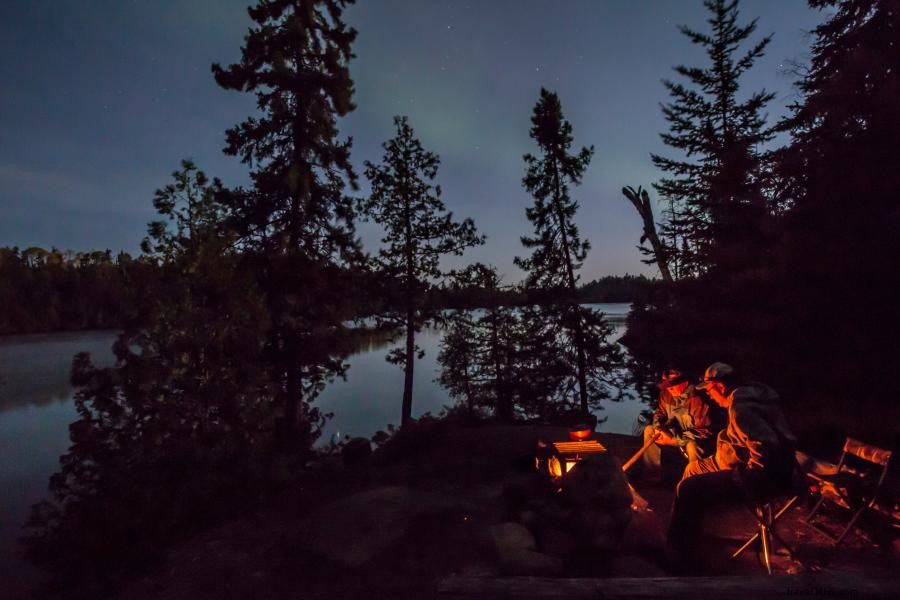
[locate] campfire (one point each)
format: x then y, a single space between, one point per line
557 459
577 505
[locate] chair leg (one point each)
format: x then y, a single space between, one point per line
766 535
764 538
815 508
784 508
746 545
774 520
849 526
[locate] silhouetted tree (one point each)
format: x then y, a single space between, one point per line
717 186
557 249
178 434
459 358
544 382
842 186
419 231
191 205
479 351
296 219
846 120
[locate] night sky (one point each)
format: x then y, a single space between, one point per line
100 100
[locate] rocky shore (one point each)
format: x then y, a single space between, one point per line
446 502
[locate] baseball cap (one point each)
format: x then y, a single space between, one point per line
715 372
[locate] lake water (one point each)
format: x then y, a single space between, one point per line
36 408
370 399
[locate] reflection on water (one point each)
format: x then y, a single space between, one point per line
371 396
36 409
34 369
35 412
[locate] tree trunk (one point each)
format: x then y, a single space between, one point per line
292 395
406 414
581 362
406 409
641 201
504 406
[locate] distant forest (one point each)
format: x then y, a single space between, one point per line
43 290
51 290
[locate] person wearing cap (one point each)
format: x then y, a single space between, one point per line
681 420
754 456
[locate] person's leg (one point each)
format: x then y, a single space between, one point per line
652 453
694 497
700 467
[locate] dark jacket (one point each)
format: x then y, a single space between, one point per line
757 436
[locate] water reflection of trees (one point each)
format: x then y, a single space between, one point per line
522 361
34 370
178 433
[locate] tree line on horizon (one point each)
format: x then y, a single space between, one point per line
44 291
210 406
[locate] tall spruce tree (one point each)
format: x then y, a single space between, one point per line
716 187
419 231
557 249
846 121
843 186
296 219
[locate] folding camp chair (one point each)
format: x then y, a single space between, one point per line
766 536
853 485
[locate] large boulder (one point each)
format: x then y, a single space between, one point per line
596 481
584 514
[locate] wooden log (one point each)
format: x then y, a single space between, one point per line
690 588
638 454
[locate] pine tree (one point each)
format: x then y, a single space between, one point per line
459 358
843 188
846 122
191 204
479 353
296 218
418 232
557 249
178 433
716 188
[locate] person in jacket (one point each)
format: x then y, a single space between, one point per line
754 457
682 420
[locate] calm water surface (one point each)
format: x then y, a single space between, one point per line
35 411
370 398
36 408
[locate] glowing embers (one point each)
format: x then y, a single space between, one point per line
580 433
